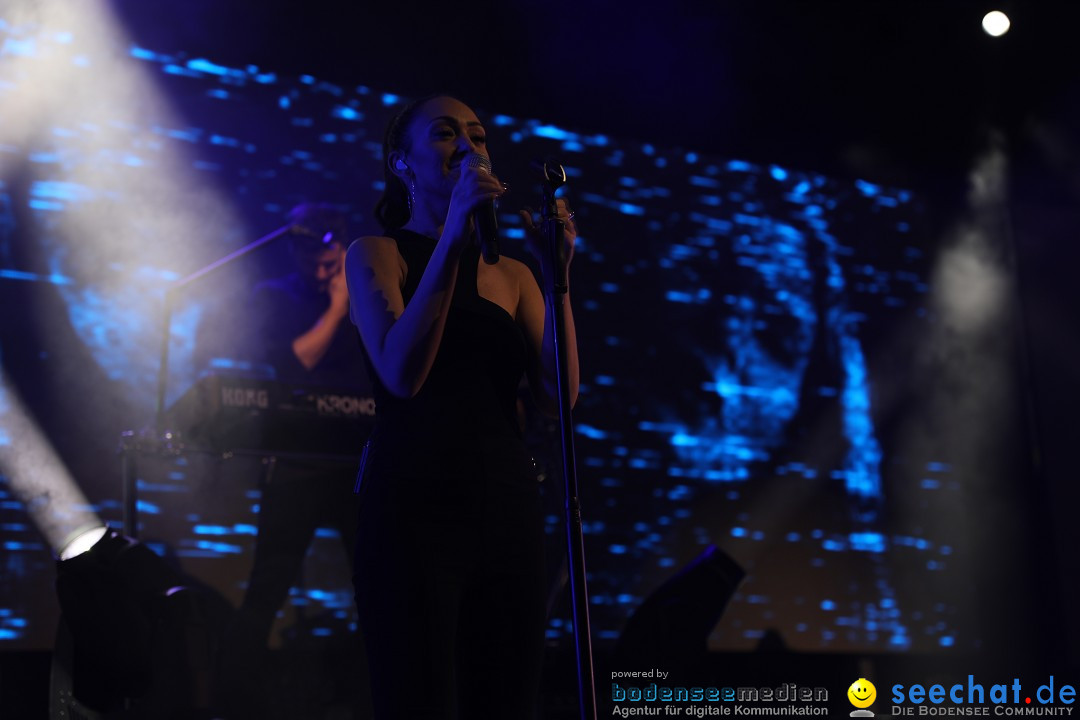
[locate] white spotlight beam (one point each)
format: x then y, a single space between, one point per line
39 478
126 206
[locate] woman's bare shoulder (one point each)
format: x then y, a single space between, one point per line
367 244
376 251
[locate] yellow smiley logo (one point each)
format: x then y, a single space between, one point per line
862 693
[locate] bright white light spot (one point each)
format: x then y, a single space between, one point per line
83 542
996 23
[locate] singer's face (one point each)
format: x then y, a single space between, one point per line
443 132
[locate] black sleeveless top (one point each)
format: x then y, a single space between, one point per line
463 421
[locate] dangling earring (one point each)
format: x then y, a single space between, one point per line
412 195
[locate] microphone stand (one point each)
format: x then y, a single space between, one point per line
555 266
170 295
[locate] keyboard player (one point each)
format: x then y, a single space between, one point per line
298 324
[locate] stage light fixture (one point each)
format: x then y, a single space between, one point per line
672 625
996 23
133 632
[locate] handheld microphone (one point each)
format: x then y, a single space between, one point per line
487 227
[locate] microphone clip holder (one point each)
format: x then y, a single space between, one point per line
556 260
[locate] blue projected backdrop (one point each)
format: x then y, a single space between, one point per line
747 331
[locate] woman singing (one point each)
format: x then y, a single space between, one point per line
449 564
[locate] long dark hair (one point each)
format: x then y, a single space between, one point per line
392 209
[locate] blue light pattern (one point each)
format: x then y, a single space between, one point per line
723 306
